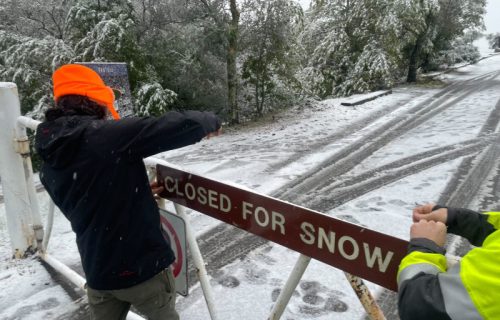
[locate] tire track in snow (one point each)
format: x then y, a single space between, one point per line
362 184
345 160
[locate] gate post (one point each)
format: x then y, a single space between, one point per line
15 191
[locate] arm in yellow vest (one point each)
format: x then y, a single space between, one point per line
427 290
419 293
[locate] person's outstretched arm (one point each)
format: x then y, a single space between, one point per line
140 137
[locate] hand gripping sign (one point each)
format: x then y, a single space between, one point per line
174 230
360 251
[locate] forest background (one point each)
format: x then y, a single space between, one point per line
240 58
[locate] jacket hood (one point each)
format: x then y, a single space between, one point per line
58 141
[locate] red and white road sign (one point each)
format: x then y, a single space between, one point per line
174 228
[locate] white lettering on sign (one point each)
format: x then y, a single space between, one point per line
308 236
327 240
214 199
263 218
377 254
355 252
225 203
202 195
190 191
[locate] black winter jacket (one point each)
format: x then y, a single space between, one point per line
94 172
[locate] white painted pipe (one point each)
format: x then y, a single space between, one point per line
35 209
75 278
199 263
23 149
17 204
290 285
27 122
48 226
66 271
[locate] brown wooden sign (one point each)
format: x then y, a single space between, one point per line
371 255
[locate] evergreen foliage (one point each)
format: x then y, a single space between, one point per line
235 56
29 63
270 55
494 40
153 100
372 71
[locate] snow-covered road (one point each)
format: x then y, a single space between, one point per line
401 150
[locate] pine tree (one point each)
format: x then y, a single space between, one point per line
154 100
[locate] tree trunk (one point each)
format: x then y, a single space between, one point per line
232 52
414 60
417 48
262 97
257 104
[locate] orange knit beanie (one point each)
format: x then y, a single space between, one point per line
80 80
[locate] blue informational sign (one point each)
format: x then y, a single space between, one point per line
115 75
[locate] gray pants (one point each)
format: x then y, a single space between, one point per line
154 298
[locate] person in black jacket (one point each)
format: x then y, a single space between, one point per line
93 170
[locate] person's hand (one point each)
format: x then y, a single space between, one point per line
432 230
425 212
215 133
156 188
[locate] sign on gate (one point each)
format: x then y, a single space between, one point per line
371 255
115 75
174 229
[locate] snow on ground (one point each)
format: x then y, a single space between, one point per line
246 289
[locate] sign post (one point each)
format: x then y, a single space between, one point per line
371 255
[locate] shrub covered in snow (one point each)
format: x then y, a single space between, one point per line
29 62
494 40
460 52
373 71
153 100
